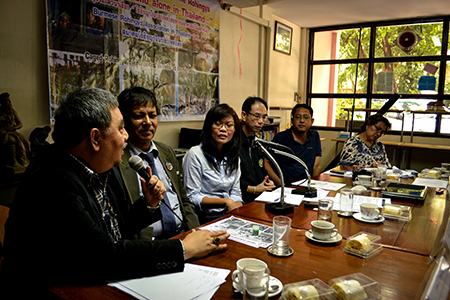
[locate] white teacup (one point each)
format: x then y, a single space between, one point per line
370 211
240 265
323 230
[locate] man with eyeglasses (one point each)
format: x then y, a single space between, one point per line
254 178
304 142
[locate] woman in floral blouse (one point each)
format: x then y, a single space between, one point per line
364 150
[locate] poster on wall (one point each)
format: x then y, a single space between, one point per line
170 47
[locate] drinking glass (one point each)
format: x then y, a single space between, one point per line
383 170
281 234
325 209
346 203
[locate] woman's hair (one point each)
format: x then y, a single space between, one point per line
231 149
374 119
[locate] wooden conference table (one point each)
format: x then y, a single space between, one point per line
416 236
399 268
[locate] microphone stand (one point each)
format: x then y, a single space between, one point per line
308 191
281 207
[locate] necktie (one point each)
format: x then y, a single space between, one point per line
168 219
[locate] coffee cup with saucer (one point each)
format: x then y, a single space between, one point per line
323 232
237 276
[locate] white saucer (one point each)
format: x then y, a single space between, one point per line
335 239
358 217
273 281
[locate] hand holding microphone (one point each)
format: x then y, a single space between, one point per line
152 188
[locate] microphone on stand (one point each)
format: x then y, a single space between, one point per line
307 191
256 139
136 164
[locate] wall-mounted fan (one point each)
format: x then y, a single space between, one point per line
407 40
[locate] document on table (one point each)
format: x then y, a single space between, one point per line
241 231
434 183
325 185
275 195
357 200
195 282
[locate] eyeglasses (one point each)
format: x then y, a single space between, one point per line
378 128
258 116
227 126
305 117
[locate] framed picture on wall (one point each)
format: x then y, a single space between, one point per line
283 38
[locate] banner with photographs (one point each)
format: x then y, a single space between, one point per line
170 47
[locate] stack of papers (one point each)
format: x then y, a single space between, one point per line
195 282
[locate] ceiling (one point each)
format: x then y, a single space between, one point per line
319 13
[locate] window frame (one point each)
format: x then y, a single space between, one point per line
371 60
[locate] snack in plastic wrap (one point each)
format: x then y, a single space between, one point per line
308 292
349 290
360 243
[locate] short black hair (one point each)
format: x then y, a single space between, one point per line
248 103
302 105
129 97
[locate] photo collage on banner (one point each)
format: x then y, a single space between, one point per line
169 47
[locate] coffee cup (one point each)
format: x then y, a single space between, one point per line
323 230
241 264
370 211
256 282
364 180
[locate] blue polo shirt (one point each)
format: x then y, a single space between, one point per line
308 151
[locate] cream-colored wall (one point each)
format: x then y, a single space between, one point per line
284 69
23 62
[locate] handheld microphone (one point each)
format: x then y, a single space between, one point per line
136 164
273 144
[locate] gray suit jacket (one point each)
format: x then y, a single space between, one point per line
167 157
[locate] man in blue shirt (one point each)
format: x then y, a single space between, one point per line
304 142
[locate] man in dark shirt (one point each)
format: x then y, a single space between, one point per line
304 142
254 178
71 221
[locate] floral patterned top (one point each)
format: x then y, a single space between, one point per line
356 152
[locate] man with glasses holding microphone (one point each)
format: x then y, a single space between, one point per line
304 142
254 177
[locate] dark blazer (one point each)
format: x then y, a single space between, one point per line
168 158
55 233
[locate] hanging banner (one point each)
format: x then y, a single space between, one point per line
169 47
